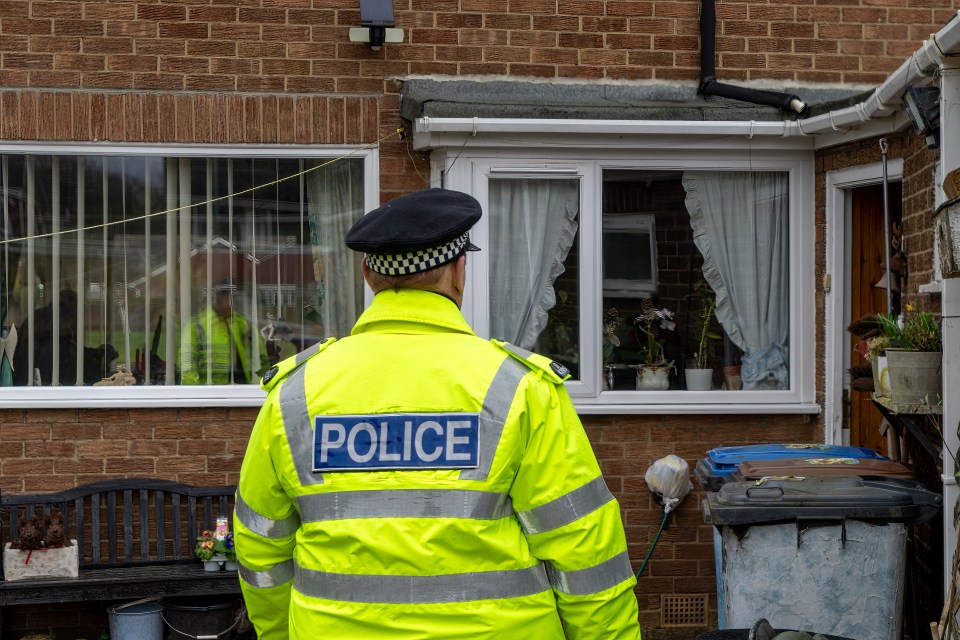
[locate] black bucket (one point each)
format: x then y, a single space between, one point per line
743 634
191 618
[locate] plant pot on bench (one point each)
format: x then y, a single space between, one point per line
38 563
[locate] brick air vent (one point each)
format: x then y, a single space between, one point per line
689 610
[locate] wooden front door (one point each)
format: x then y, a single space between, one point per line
867 254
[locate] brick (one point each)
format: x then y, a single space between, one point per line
25 26
632 9
160 12
137 466
132 63
50 44
218 13
26 467
28 61
185 64
178 464
159 47
158 81
78 27
184 31
49 449
285 33
285 67
53 79
23 432
133 29
270 130
555 23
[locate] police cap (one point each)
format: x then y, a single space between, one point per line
416 232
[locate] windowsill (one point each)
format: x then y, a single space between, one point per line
139 397
697 409
252 396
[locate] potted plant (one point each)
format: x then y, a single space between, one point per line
215 551
609 341
914 358
699 375
653 372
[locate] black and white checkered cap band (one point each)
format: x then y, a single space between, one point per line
403 264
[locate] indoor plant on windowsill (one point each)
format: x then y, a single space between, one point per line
914 359
216 552
698 375
653 373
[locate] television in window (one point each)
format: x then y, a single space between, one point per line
629 255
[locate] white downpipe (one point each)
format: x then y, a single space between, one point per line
950 309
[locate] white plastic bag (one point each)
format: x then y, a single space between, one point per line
669 478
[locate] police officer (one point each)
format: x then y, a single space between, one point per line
415 481
216 346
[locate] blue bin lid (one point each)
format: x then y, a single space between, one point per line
729 457
837 498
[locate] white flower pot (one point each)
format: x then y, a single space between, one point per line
653 377
215 563
699 379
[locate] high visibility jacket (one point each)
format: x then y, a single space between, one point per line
216 348
526 542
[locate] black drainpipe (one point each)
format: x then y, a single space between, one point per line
708 71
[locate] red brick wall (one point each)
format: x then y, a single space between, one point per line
301 46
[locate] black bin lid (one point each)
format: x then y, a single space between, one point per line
822 498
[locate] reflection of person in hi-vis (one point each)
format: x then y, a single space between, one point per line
216 346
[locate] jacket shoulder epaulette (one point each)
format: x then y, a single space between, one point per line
284 368
551 369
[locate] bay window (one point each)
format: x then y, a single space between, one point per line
187 267
617 266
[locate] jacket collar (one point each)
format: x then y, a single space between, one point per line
411 310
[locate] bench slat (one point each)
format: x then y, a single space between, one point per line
127 525
177 546
95 527
161 534
112 526
144 524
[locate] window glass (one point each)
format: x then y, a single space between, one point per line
127 270
705 305
534 283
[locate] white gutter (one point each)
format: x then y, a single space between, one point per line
883 105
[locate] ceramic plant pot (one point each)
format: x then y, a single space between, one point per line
653 377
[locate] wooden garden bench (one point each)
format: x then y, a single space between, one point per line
135 539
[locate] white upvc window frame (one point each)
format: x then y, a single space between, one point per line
469 167
238 395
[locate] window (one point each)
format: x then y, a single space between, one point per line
612 264
152 270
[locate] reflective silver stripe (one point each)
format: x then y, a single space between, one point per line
583 582
452 587
262 525
302 357
567 508
296 424
520 351
273 577
404 503
493 414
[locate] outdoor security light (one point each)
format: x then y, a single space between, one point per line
376 20
922 105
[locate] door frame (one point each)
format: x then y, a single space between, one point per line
837 356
